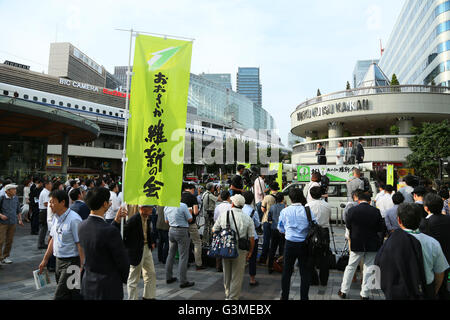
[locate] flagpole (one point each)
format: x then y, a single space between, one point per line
124 152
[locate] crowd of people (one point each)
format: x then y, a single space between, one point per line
82 221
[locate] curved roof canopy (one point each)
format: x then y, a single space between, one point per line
30 119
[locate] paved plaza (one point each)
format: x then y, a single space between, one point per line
17 283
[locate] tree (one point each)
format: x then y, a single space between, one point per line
348 86
318 93
394 81
433 83
394 130
429 146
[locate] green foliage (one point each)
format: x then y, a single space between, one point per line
379 131
394 130
347 134
428 146
318 93
394 81
348 86
369 133
433 83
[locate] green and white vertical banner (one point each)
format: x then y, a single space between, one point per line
390 175
158 107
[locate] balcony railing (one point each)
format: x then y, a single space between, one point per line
374 90
371 142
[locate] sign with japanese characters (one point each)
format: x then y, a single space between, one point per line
334 173
158 107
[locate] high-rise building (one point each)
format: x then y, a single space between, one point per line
121 74
360 71
223 79
67 61
248 83
418 48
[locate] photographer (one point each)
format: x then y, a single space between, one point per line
260 191
237 182
208 205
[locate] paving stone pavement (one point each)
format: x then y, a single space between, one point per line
16 280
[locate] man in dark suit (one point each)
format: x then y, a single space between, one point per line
139 238
35 191
107 266
360 151
437 225
321 154
419 193
78 205
364 223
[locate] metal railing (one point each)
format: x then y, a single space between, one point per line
371 142
374 90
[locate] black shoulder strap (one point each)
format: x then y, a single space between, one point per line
253 213
237 229
308 214
228 218
1 202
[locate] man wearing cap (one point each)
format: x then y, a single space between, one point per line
139 239
233 269
9 215
360 151
268 201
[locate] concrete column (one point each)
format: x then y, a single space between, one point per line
65 154
404 124
335 130
310 135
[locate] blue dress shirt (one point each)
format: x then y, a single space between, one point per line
64 232
248 209
294 223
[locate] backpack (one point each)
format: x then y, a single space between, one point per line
316 240
367 187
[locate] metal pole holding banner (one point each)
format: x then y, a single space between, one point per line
127 115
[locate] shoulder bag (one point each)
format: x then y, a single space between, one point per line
244 243
224 243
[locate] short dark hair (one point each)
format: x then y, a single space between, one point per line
72 183
188 186
88 182
248 196
356 193
398 198
279 197
361 139
74 193
274 186
316 193
410 215
46 182
419 191
434 203
363 196
60 195
98 182
320 144
240 167
296 196
444 194
224 195
389 188
411 180
316 176
112 185
96 197
56 185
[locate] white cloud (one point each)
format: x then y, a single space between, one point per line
374 17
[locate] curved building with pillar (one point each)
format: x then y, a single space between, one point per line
382 114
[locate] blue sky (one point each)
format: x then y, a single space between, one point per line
299 45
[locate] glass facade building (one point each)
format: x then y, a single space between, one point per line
248 84
224 79
209 100
361 68
418 50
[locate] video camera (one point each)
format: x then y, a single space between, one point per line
250 175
